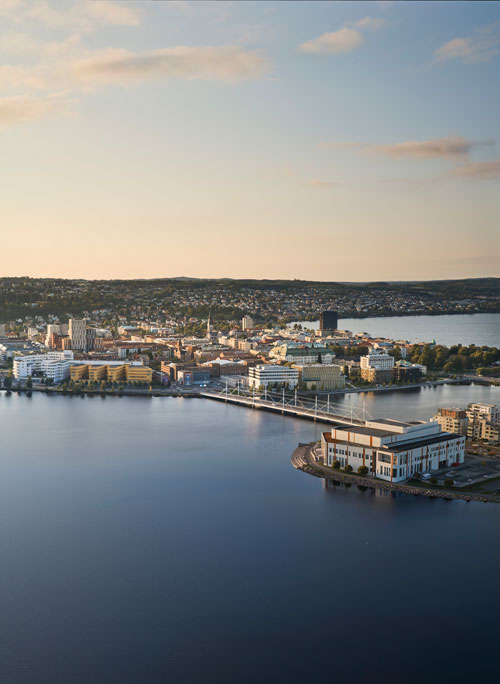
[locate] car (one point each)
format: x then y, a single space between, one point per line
426 476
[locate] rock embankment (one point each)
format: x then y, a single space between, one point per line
303 459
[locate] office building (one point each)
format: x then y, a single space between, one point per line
328 321
377 367
301 354
392 450
53 365
110 371
273 376
320 376
78 334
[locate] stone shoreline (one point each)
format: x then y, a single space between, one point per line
302 459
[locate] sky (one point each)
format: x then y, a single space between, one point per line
343 141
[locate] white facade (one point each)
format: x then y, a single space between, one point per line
379 361
53 365
78 333
270 374
247 323
392 450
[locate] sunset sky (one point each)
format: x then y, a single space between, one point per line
329 141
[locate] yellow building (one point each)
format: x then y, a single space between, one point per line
78 372
139 374
111 373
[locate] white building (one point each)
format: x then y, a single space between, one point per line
377 360
247 323
267 375
54 365
392 450
78 333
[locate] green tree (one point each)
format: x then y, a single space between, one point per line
448 482
29 382
363 470
348 469
336 465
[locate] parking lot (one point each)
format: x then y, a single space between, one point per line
476 469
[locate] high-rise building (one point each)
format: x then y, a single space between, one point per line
328 320
78 334
452 420
247 323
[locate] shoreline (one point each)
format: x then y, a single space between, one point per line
303 460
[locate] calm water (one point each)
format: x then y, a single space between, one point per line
170 540
479 329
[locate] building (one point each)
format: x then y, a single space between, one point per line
193 376
484 423
407 372
328 321
452 420
377 367
247 323
78 334
302 354
54 365
273 376
320 376
110 371
392 450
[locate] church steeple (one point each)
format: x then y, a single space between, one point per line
209 325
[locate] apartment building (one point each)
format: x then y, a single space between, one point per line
392 450
452 420
273 376
247 323
484 423
78 333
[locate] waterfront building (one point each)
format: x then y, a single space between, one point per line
54 365
302 354
328 321
273 376
484 423
377 367
320 376
392 450
112 371
452 420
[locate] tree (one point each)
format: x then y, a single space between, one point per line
448 482
348 469
103 385
29 382
336 465
363 470
319 358
433 480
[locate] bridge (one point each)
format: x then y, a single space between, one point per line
289 403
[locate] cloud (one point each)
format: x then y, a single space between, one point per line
18 109
343 40
439 148
316 183
369 23
488 170
224 63
84 15
481 46
452 147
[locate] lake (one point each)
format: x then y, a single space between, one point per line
170 540
478 329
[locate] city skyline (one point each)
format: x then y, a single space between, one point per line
149 140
